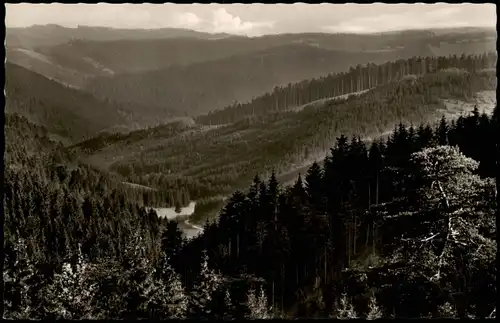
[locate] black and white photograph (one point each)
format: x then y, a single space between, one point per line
250 161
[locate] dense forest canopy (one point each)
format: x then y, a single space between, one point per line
402 228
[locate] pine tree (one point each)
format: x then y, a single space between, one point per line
450 206
257 306
314 184
17 277
207 284
172 240
442 132
345 310
228 306
178 208
374 311
447 311
137 271
165 296
72 292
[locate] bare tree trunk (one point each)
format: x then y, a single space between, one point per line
367 235
369 207
325 263
273 295
355 235
282 286
369 195
349 245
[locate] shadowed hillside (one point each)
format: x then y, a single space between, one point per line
63 110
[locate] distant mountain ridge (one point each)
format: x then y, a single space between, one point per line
53 34
153 79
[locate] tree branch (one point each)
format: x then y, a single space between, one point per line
430 238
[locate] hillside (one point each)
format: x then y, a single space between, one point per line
360 78
62 110
221 159
192 89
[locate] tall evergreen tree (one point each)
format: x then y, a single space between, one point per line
201 297
442 132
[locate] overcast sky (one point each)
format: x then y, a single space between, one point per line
255 19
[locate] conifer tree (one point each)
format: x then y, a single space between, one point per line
228 306
72 292
257 305
314 184
345 310
447 311
18 276
442 132
208 282
374 311
165 295
172 241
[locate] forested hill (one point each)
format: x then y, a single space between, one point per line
358 79
216 160
64 111
192 89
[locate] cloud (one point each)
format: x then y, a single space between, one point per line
412 18
186 20
223 21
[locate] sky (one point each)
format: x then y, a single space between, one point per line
256 19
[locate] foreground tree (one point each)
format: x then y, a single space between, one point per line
165 295
201 296
257 306
345 310
72 292
18 276
444 240
374 311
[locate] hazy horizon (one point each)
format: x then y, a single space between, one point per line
256 19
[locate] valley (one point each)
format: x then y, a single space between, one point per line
221 157
189 230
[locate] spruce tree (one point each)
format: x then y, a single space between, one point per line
345 310
442 132
374 311
72 292
18 275
165 294
314 184
257 305
201 297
